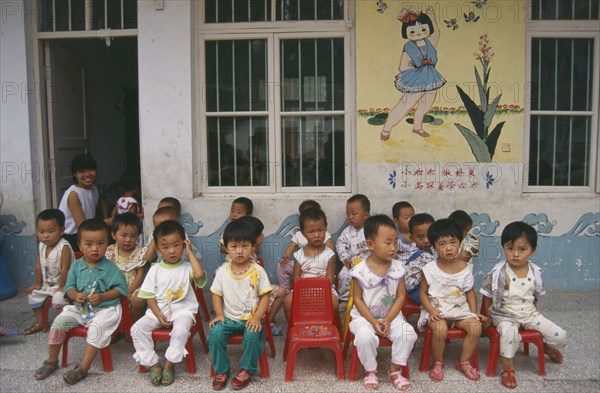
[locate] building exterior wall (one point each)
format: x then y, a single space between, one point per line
438 174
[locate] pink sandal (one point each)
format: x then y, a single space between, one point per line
471 372
370 381
399 382
437 371
421 132
385 135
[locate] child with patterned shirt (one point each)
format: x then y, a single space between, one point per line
54 259
285 269
171 301
378 296
423 254
240 291
351 244
402 212
448 298
511 292
94 284
315 259
129 257
469 247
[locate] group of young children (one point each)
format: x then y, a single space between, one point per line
385 263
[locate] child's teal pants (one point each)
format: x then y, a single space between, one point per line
253 346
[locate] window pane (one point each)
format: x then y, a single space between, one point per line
236 75
227 11
559 150
564 10
238 151
313 151
312 74
562 74
288 10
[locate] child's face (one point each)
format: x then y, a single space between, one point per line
240 251
418 32
49 232
403 218
86 178
237 210
447 248
356 214
159 219
126 237
419 236
93 245
385 244
518 252
314 232
171 247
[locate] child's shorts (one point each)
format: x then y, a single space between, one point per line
37 298
100 327
285 274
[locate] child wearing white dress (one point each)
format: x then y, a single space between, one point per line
315 259
511 292
378 296
171 302
54 259
285 269
448 298
351 244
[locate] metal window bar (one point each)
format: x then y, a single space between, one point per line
283 144
69 13
301 149
106 14
53 15
317 126
587 150
554 152
122 15
539 138
251 154
332 151
235 174
219 150
88 15
572 73
556 74
588 73
570 151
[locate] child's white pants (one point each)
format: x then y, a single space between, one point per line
402 335
344 281
510 339
141 334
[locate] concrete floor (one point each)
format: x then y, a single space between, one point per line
578 313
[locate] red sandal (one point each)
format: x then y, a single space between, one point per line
470 372
507 379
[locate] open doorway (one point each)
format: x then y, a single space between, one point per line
92 107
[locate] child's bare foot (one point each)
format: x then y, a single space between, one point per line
385 135
422 133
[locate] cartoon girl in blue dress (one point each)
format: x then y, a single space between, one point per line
418 79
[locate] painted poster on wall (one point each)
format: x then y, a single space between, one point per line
440 81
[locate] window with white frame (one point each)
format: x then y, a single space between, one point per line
274 114
562 45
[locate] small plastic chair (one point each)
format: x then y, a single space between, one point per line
453 333
312 323
410 307
268 330
527 336
163 334
105 353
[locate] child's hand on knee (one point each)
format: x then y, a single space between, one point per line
435 315
164 321
253 325
215 321
33 288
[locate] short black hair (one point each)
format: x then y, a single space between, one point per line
444 228
166 210
364 201
373 223
246 202
312 214
462 218
172 201
166 228
255 223
399 206
307 204
239 230
420 219
82 162
515 230
92 225
423 19
127 220
52 214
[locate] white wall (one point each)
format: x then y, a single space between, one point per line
17 172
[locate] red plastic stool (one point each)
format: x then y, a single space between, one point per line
527 336
354 361
453 333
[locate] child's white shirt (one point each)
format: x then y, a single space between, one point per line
352 244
